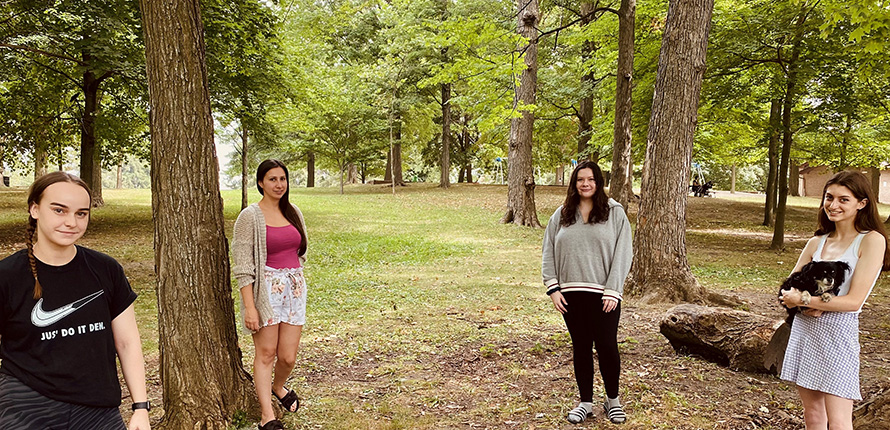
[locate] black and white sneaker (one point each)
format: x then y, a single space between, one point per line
579 414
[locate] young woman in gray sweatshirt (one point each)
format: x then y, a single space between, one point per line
587 253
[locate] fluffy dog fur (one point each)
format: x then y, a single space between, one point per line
816 278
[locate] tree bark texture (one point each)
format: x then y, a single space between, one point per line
203 380
394 157
40 158
90 160
244 175
120 179
445 156
732 338
520 173
735 171
660 270
775 117
310 170
873 414
621 182
794 178
585 110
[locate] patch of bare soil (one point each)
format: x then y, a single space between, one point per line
528 382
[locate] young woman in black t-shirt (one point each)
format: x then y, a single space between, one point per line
65 311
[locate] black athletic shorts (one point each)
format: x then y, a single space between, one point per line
23 408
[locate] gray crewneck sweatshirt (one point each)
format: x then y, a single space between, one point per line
588 257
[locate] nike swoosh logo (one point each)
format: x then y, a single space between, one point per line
42 318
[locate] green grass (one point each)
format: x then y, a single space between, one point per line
425 312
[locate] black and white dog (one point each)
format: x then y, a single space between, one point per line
816 278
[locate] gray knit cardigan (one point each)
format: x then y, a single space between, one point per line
249 257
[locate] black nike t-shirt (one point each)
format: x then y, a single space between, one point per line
62 345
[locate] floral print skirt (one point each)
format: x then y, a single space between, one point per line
287 294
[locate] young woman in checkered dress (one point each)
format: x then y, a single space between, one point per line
822 357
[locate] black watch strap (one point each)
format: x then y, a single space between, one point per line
142 405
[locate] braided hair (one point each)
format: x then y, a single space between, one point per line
35 194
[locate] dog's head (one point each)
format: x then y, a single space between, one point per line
827 274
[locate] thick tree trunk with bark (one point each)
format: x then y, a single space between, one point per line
660 269
310 170
40 158
120 179
445 156
244 173
621 177
204 383
394 157
351 173
873 414
773 158
735 170
732 338
520 174
794 178
90 160
585 110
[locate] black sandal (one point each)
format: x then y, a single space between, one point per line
289 400
272 425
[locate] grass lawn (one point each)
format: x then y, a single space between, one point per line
425 312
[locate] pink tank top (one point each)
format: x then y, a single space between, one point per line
283 247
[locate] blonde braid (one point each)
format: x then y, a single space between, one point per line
32 227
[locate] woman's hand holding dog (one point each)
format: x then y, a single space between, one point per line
792 299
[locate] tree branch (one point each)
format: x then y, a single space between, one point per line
560 28
42 52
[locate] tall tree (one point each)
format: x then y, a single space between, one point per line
520 174
660 270
203 380
621 182
769 206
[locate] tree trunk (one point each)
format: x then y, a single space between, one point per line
394 158
90 161
728 337
120 178
875 175
244 175
873 414
621 177
794 178
735 171
771 178
204 383
588 80
660 269
351 173
310 170
520 174
778 242
40 158
445 156
469 172
560 177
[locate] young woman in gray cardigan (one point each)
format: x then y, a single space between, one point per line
587 253
268 249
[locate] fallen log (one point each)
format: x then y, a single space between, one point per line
873 414
737 339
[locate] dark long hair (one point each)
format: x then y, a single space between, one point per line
284 204
867 219
600 211
35 194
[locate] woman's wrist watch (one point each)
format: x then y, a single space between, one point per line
142 405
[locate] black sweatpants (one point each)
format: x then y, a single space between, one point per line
23 408
589 326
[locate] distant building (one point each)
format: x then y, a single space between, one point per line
813 178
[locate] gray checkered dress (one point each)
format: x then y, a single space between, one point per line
823 352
